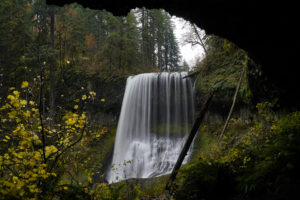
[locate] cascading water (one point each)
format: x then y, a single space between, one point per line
157 113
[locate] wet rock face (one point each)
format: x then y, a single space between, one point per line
266 31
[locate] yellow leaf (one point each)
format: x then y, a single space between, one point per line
15 179
16 93
92 93
27 114
24 84
23 102
90 179
102 100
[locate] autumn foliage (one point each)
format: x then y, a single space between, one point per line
34 155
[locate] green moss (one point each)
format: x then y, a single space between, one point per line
205 136
107 143
140 188
173 128
220 71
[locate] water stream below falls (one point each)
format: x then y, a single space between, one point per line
156 116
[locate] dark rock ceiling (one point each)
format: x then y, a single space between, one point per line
267 30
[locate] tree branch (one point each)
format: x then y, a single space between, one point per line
68 147
192 74
198 35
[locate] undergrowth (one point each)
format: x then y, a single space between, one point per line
251 161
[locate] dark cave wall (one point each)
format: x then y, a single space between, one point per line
266 30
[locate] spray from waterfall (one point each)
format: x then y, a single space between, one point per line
156 116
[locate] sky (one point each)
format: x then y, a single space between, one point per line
188 52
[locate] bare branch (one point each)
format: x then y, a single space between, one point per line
199 37
68 147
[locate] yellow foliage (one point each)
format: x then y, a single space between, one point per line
27 114
23 102
24 84
84 97
102 191
16 93
49 150
26 165
92 93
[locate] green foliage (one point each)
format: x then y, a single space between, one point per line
203 140
221 68
159 47
140 188
64 157
257 161
276 168
202 180
85 41
102 192
14 18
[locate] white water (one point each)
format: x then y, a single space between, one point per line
156 116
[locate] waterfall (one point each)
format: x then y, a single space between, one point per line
156 116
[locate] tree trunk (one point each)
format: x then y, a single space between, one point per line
143 38
99 30
159 56
52 69
189 141
233 102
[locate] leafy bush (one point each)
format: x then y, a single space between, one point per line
35 155
257 161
